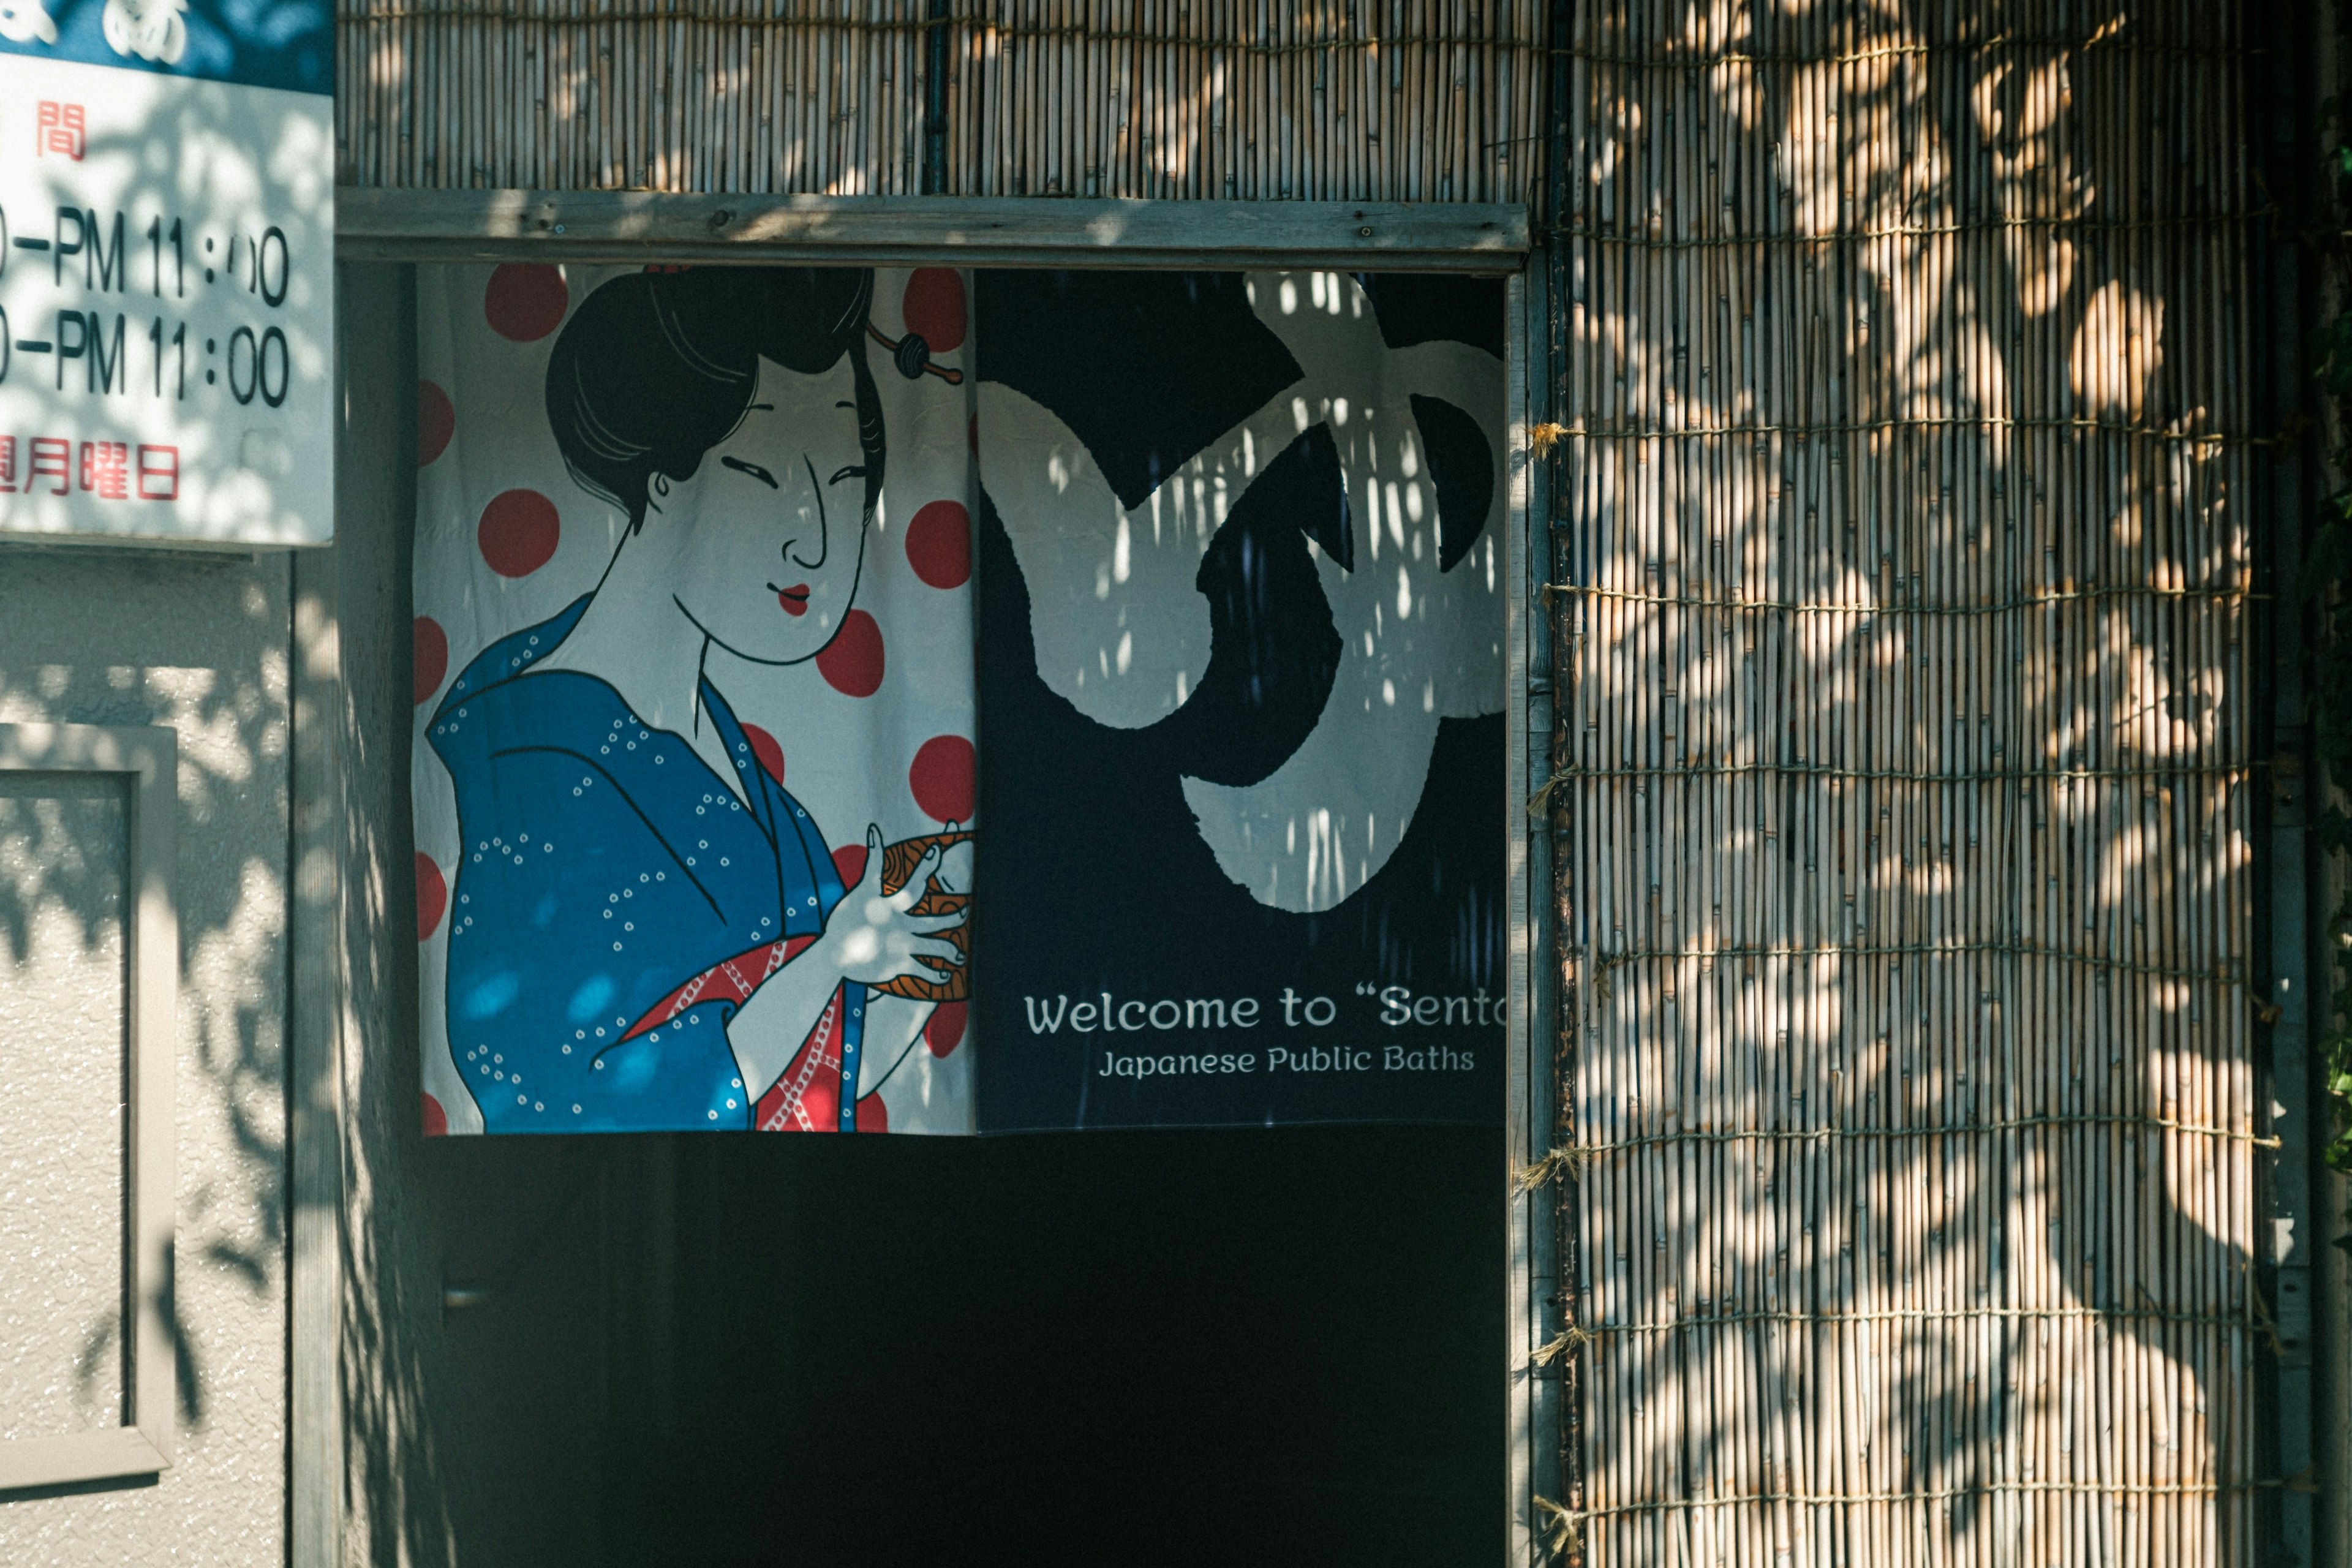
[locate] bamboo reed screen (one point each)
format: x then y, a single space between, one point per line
1226 100
1902 640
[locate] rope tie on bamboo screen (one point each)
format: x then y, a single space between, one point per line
1919 422
1563 1520
1907 231
2220 975
1575 1338
968 27
2104 43
1740 604
2302 1483
1576 1157
1703 770
982 28
1540 801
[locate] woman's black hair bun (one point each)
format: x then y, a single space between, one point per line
655 368
911 356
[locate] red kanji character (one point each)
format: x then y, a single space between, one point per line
106 470
52 460
8 464
159 473
60 131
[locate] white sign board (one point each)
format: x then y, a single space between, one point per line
167 271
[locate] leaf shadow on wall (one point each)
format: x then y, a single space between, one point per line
200 644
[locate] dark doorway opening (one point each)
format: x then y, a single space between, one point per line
1138 1347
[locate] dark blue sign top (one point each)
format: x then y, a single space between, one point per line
285 44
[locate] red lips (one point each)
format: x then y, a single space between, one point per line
793 599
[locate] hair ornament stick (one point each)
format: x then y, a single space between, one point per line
912 355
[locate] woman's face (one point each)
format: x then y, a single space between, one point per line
764 543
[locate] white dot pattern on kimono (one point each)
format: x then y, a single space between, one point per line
588 782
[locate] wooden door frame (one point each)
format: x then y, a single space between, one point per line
376 225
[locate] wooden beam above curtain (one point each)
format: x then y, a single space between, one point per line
633 226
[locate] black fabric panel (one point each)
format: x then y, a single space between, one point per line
1462 467
1273 651
1146 368
1417 307
1110 876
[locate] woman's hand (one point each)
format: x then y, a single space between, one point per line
873 939
955 868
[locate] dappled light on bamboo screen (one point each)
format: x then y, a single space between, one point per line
1393 101
1901 568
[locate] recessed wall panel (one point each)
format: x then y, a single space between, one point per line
64 860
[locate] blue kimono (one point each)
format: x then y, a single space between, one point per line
614 903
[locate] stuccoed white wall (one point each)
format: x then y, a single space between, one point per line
119 636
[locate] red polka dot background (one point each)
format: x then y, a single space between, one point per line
878 728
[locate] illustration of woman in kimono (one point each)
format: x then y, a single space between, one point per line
646 931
